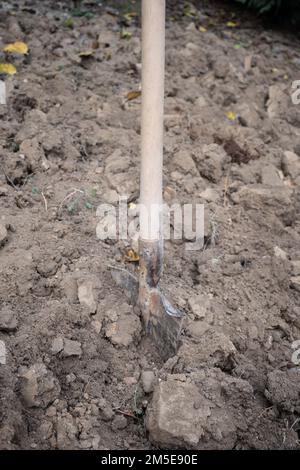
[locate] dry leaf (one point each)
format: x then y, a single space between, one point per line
129 16
125 34
16 48
132 95
230 116
8 68
232 24
131 256
202 29
86 53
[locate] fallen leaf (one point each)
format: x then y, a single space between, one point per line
125 34
69 23
189 10
202 29
131 256
232 24
8 68
132 95
16 48
77 12
132 205
86 53
237 46
230 116
128 17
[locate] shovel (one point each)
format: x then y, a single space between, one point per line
161 320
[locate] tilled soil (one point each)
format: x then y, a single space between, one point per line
76 370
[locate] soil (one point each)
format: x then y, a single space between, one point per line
76 370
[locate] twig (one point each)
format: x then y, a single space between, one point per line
264 411
69 196
226 185
9 180
294 423
126 413
45 201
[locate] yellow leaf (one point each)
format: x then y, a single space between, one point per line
129 16
232 24
202 29
86 53
189 10
16 48
230 116
132 205
132 95
286 77
125 34
131 256
8 68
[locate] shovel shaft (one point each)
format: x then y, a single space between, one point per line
153 69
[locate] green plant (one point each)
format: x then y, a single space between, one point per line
263 6
287 9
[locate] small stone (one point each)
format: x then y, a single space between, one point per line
8 320
107 412
94 410
279 253
57 345
210 195
69 286
2 353
3 234
295 283
70 378
221 67
119 422
196 329
270 176
124 330
210 161
51 411
129 380
183 162
111 196
169 194
38 386
200 102
47 269
66 432
86 296
97 325
72 348
291 164
295 269
199 306
148 380
172 419
253 332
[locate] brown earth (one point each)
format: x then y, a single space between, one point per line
75 368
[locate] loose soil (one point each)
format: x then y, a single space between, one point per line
76 370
